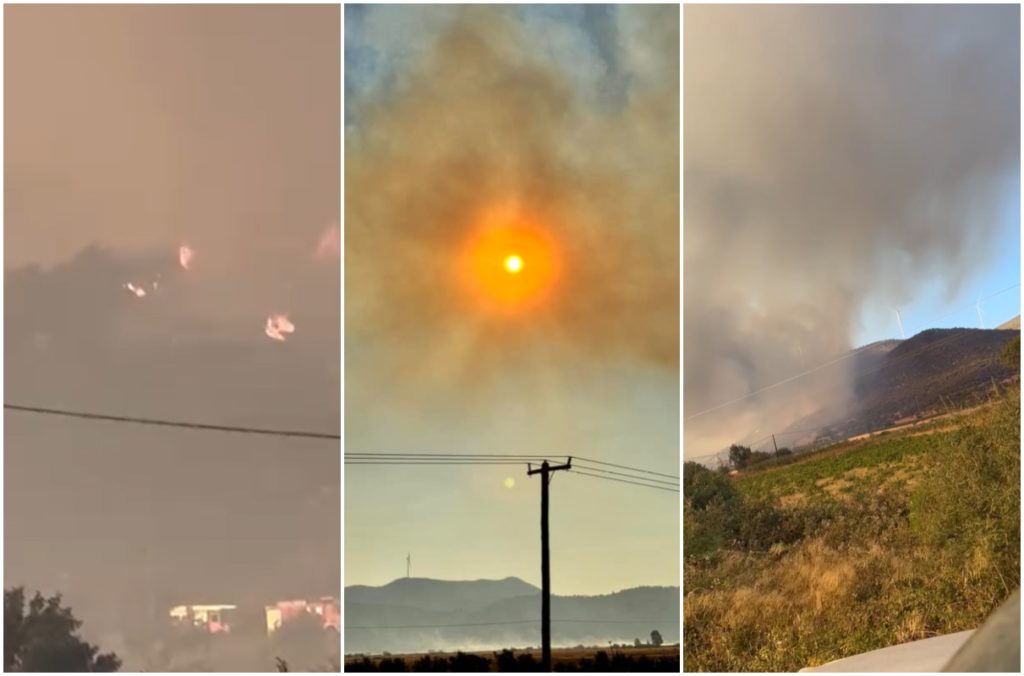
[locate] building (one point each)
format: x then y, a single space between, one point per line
214 618
326 608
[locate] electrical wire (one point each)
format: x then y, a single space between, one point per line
435 462
914 353
635 469
631 476
635 483
170 423
507 622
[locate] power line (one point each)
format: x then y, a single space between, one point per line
635 469
967 307
170 423
521 622
631 476
402 459
635 483
401 463
852 353
776 384
449 455
500 459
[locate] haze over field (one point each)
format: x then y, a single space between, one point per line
564 121
489 614
131 132
859 159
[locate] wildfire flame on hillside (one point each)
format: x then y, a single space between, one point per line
278 326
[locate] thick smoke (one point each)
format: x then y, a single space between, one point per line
832 155
572 112
130 131
480 120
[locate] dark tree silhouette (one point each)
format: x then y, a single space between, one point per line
42 636
301 638
739 456
656 639
702 487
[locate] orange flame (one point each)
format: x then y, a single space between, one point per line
330 244
138 291
278 327
185 255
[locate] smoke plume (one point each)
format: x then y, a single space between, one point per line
832 155
480 121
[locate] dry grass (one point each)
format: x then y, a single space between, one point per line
899 539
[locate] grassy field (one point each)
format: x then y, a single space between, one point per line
626 658
855 547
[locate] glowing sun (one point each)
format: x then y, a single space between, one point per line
510 262
510 483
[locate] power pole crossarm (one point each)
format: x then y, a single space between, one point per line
545 471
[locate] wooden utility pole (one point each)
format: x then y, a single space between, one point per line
545 558
775 444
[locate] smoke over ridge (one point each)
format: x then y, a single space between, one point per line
832 156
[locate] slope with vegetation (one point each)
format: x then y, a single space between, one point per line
855 547
896 381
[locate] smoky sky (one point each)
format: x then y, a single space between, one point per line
130 131
832 156
573 113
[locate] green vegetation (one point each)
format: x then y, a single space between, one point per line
42 635
855 547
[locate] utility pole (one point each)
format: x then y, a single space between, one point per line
408 564
775 444
545 558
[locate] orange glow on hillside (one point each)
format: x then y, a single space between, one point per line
510 262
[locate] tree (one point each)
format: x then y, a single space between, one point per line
739 456
637 643
702 487
656 639
42 636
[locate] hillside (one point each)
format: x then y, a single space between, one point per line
439 595
901 381
855 547
417 615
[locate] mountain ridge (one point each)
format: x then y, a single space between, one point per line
378 619
904 380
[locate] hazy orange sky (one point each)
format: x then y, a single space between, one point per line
130 130
474 133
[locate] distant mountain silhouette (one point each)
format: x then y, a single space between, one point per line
419 614
440 595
